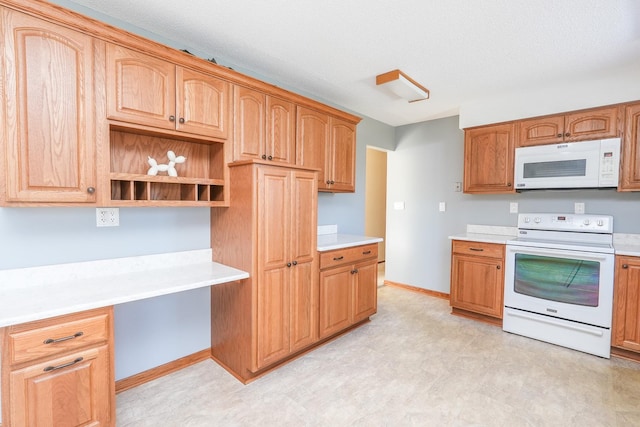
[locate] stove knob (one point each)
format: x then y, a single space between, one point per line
600 223
587 222
527 219
537 220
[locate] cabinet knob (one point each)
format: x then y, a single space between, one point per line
264 157
91 190
559 135
625 266
354 271
270 157
288 264
295 263
508 184
328 182
172 118
498 267
182 120
567 134
332 182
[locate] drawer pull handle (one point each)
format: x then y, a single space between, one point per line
338 258
366 252
55 368
70 337
476 249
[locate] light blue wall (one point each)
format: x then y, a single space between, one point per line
428 160
148 333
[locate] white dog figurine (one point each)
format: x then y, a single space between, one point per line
170 168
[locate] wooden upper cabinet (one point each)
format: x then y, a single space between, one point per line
312 138
48 134
548 130
630 168
329 144
579 126
203 104
264 127
149 91
488 159
341 157
281 130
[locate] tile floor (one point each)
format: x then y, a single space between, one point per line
414 364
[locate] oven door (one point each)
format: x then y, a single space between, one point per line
565 284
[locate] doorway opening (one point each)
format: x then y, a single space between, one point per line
375 221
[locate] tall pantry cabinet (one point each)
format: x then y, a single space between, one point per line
269 230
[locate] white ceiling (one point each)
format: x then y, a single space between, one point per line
462 50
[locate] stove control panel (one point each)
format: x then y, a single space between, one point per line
584 223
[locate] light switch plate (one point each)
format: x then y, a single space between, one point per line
442 207
399 206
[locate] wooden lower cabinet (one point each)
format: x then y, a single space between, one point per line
477 279
626 305
348 287
59 372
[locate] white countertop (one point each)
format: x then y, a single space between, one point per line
36 293
624 244
328 242
487 234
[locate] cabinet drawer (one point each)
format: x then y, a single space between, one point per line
348 255
494 250
47 338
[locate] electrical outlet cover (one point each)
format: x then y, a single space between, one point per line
107 217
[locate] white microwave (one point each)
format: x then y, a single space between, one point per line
587 164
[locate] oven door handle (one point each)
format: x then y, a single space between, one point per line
554 323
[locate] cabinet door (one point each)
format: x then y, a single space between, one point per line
140 89
547 130
341 156
272 283
73 390
249 127
274 217
48 129
312 137
304 305
477 284
336 300
488 159
272 320
630 167
304 276
281 130
592 124
626 307
203 104
365 290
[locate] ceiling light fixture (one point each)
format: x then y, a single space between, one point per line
403 86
